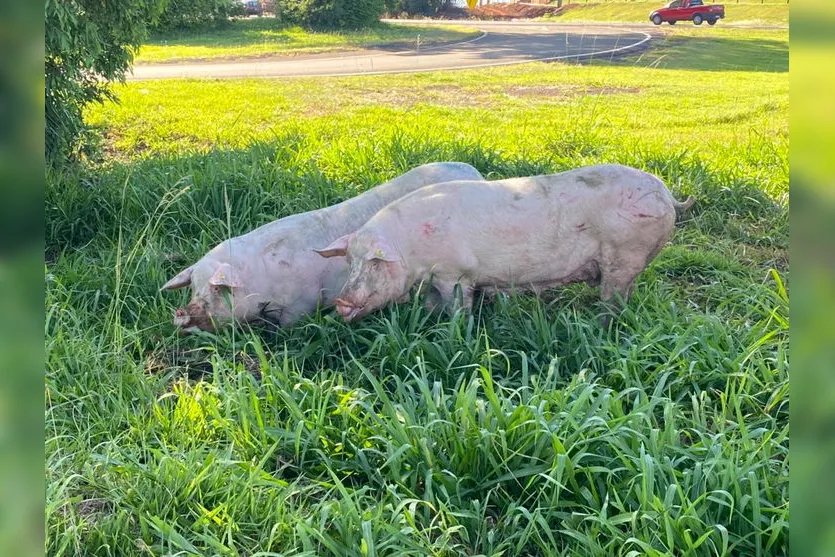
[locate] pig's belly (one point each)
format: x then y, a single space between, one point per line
541 264
537 281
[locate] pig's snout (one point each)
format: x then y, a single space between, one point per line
193 318
181 318
348 310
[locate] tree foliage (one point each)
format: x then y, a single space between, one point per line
88 43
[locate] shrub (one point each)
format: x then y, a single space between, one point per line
87 43
191 14
424 7
351 14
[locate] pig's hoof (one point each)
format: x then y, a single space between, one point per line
607 315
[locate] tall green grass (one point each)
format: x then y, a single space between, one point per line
525 429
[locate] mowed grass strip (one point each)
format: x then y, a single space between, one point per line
749 13
525 429
267 36
718 50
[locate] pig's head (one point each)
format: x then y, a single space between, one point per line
377 273
215 287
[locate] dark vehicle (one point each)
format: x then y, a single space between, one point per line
252 7
688 10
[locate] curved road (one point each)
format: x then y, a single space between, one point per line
500 44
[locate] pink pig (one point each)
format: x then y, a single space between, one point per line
602 224
271 274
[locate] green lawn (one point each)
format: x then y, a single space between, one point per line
260 37
748 13
526 429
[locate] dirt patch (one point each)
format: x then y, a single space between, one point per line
447 95
110 149
455 88
194 364
252 365
91 507
461 97
567 91
764 257
91 510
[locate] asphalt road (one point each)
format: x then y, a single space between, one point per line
500 44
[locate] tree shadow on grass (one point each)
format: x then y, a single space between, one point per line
232 191
226 192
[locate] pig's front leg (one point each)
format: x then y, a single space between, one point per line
455 294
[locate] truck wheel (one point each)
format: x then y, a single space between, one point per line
697 19
671 22
712 21
656 19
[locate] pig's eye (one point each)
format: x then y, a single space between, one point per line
220 289
223 292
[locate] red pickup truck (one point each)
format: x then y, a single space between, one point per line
688 10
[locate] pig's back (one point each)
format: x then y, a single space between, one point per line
485 203
523 229
589 192
321 226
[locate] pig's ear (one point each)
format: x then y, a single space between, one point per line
225 275
182 280
381 249
338 248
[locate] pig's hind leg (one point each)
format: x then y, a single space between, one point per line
616 285
618 271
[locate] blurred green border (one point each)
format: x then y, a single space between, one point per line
812 57
21 279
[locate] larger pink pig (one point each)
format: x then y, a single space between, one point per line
601 224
